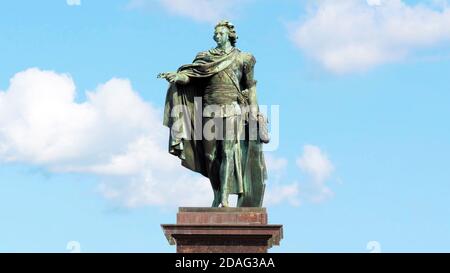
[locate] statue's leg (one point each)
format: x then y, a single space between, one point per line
213 171
216 201
227 167
240 177
226 172
238 158
240 200
213 167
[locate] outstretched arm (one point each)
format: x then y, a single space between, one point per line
182 77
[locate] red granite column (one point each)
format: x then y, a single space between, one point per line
222 230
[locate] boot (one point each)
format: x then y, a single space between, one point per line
225 200
216 201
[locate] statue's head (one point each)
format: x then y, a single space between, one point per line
224 31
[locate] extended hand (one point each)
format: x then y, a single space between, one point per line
174 77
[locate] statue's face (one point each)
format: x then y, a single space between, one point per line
221 35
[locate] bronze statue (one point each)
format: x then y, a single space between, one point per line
212 111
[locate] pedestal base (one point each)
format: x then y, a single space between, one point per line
223 230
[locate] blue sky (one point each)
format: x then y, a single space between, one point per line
362 89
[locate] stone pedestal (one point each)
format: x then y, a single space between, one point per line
222 230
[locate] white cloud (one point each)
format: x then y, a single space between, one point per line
374 2
280 193
276 166
153 188
317 170
198 10
316 165
113 134
355 35
73 2
42 124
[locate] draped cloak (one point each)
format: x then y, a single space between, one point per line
183 115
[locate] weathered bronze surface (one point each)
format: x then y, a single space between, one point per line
219 85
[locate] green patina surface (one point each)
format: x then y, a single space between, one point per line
224 80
